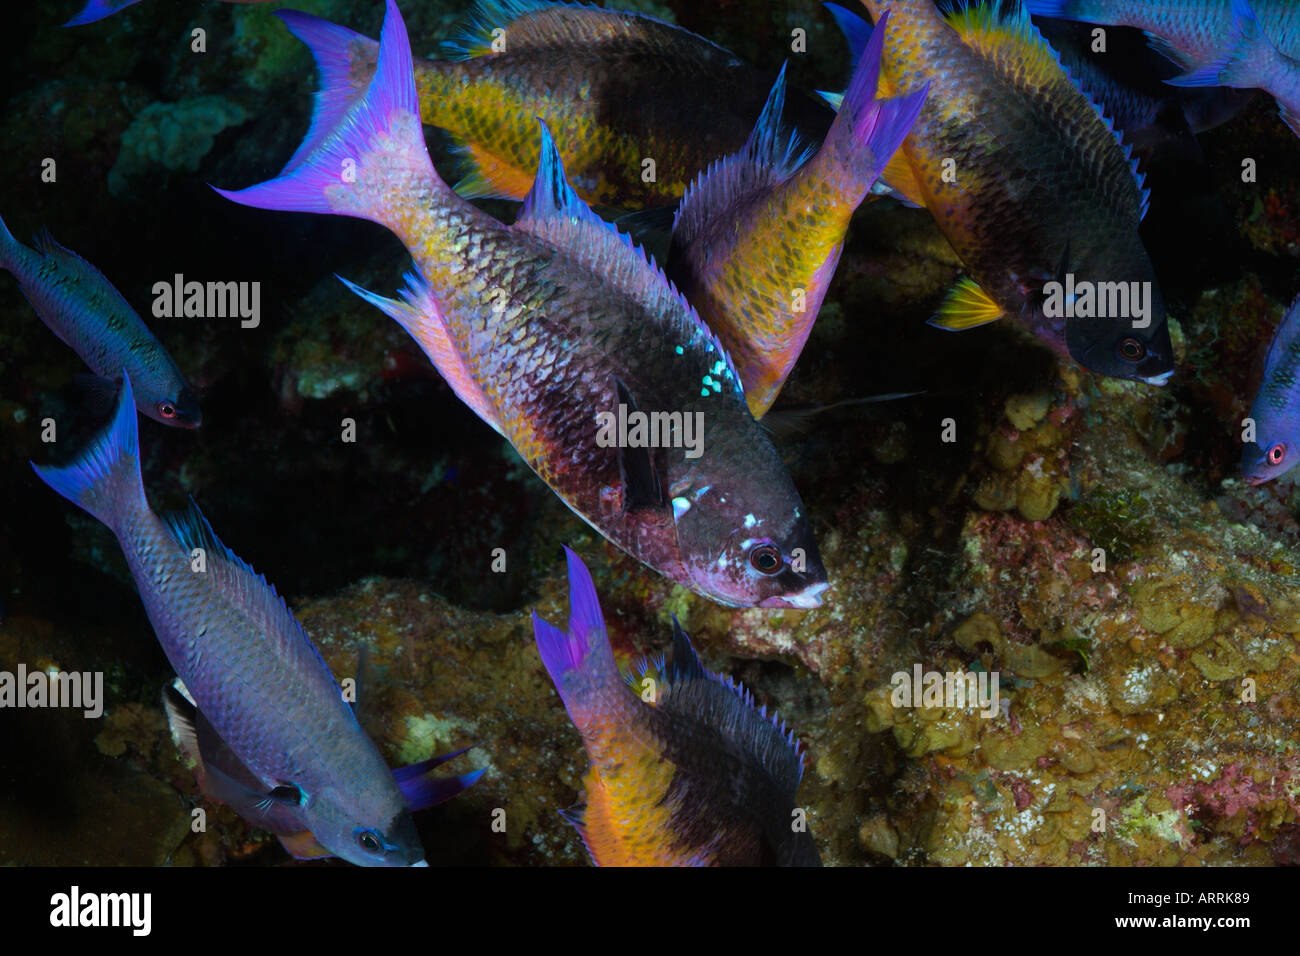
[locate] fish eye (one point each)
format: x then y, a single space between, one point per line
766 559
369 841
1276 454
166 409
1131 349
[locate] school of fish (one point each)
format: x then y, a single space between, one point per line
992 120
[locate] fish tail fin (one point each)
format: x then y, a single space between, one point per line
339 53
580 658
868 131
421 789
105 477
1246 59
856 30
365 158
95 10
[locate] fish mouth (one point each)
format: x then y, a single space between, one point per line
1160 379
420 862
809 597
1255 481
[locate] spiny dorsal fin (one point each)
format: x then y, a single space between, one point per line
539 24
770 157
246 589
715 700
557 215
76 268
1015 48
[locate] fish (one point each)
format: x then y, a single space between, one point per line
96 10
684 769
269 726
1127 83
1276 408
1029 184
616 89
561 335
92 318
758 235
1246 44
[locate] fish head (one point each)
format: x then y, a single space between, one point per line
177 407
747 543
382 836
1271 456
1131 340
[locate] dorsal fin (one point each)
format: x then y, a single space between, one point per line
770 157
1015 48
557 215
1286 338
78 269
564 25
247 590
715 700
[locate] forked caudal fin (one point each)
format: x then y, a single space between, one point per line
105 478
365 158
584 649
867 131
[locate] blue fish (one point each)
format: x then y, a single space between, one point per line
1276 409
268 725
1245 44
83 309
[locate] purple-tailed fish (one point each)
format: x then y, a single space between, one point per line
1030 185
758 236
1276 409
95 10
637 106
83 309
1248 44
685 770
560 334
272 734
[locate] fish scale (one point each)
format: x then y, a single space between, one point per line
542 325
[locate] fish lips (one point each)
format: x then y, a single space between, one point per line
809 597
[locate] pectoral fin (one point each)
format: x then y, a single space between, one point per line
965 307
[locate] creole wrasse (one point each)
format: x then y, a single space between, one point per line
637 106
1029 184
685 770
1245 44
96 10
551 328
758 236
268 724
1276 409
92 318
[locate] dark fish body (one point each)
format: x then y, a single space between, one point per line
257 680
1025 179
83 309
685 770
615 88
543 325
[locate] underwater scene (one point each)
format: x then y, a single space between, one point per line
758 432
